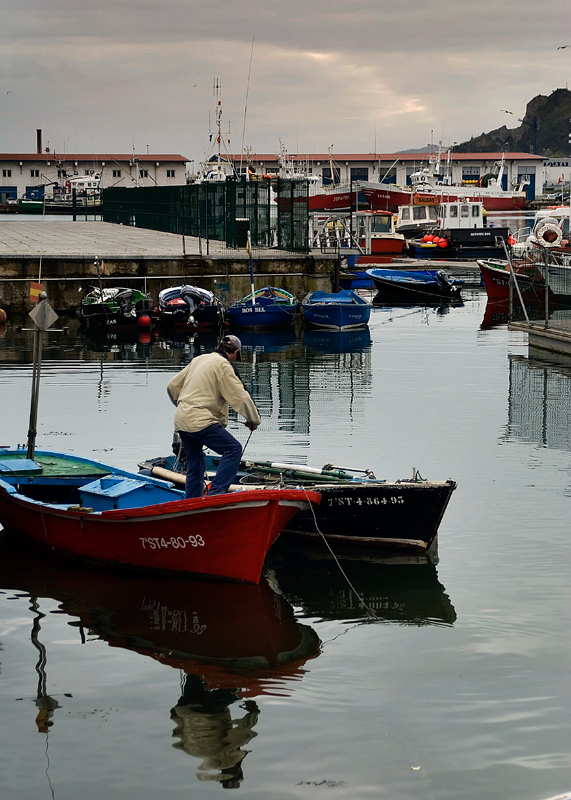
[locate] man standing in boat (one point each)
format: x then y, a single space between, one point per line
202 393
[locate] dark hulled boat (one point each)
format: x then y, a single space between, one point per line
356 508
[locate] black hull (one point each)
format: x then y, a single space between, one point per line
403 516
99 316
210 317
389 291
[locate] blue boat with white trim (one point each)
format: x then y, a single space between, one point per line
338 311
268 307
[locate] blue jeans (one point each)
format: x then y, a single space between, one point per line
216 438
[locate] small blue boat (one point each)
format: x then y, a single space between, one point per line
402 285
338 311
268 307
354 280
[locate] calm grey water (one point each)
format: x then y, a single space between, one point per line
457 687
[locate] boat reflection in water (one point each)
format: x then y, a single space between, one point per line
498 312
233 642
353 341
396 589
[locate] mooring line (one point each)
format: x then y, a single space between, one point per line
356 593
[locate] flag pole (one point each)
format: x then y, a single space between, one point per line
249 249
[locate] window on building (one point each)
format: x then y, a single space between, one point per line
170 173
388 177
35 173
359 173
116 173
470 173
6 173
143 173
326 178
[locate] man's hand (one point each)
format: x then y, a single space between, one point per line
251 425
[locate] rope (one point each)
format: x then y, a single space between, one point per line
369 610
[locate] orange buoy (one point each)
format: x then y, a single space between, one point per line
443 243
430 237
2 316
144 321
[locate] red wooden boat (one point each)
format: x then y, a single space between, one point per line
96 512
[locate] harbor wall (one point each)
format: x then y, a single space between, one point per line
67 279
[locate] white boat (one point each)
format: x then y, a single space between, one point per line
460 231
550 232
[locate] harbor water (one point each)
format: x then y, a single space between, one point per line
365 677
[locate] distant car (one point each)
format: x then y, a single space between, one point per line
11 201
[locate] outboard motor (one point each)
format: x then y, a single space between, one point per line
124 300
191 298
443 278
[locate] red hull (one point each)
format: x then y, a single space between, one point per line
497 283
225 536
390 197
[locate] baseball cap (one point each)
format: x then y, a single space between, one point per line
233 341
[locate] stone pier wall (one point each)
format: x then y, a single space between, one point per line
66 279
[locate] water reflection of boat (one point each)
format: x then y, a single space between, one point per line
102 340
242 636
397 590
351 341
232 642
276 341
497 312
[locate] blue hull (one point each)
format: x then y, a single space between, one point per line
340 311
259 316
355 280
410 284
272 308
337 318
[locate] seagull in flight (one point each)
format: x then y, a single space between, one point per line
563 46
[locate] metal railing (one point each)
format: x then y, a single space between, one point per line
276 212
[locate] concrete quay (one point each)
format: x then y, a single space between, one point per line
62 254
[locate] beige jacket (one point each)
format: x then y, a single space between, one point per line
204 389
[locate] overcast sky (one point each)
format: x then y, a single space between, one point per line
99 76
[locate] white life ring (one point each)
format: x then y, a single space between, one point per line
549 235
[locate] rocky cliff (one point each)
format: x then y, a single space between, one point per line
547 121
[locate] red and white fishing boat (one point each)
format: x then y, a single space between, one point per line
98 513
428 185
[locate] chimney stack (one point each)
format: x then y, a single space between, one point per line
39 141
